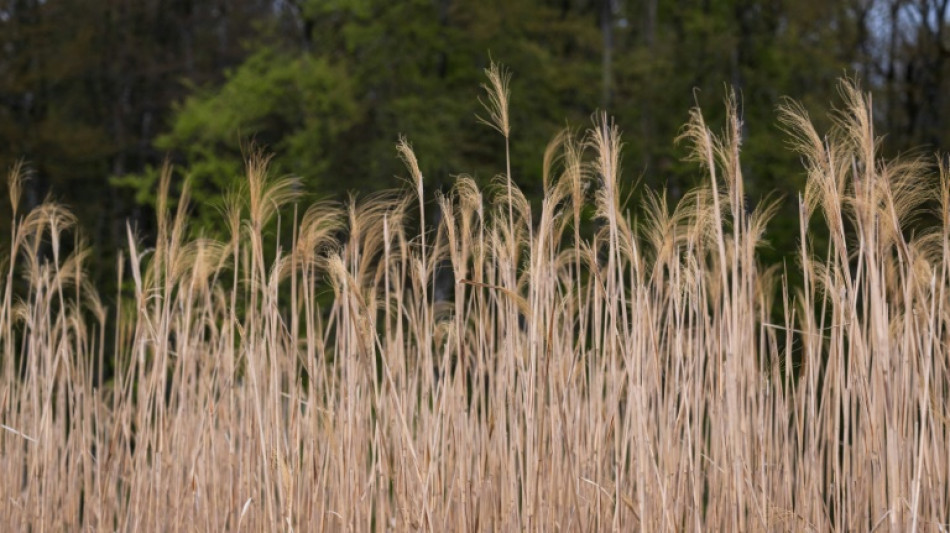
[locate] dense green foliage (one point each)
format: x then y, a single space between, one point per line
95 99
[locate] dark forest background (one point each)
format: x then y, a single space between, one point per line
94 96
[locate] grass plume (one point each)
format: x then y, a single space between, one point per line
647 373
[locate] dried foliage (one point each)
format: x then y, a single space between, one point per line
637 378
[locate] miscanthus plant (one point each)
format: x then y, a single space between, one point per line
631 378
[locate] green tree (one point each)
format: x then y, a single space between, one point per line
332 103
86 86
297 105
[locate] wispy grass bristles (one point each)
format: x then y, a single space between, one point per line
486 367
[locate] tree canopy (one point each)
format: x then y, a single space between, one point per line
95 99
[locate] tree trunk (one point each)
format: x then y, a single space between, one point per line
607 33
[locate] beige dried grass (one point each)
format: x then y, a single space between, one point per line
635 378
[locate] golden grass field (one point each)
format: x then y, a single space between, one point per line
650 374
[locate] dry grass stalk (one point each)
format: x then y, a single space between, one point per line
632 379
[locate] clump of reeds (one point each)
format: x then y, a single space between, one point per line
631 378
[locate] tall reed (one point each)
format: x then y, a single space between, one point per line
633 377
